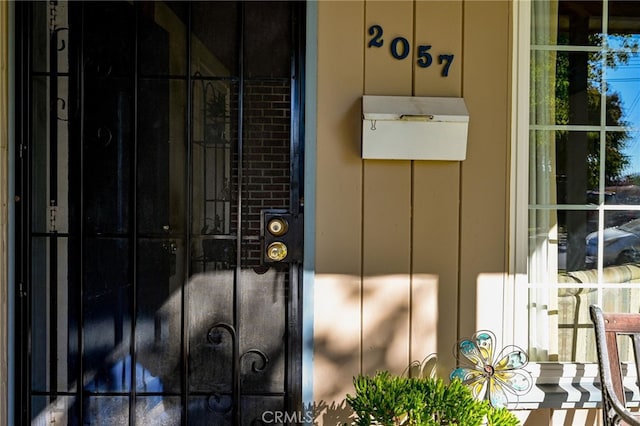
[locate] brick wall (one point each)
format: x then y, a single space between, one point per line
267 124
266 173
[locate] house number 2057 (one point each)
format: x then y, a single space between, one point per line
400 49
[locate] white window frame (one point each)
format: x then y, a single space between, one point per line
519 173
561 385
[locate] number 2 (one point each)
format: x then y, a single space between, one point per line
376 32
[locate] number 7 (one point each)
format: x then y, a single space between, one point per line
449 60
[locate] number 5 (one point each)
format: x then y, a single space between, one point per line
424 58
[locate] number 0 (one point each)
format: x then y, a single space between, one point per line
394 48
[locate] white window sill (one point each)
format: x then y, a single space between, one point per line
570 385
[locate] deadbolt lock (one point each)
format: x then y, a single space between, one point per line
277 226
277 251
281 235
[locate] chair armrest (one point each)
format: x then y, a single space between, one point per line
624 415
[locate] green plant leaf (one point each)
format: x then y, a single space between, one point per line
384 399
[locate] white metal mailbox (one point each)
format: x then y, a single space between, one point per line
414 128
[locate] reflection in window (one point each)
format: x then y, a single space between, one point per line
584 170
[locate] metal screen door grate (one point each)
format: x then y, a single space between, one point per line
152 137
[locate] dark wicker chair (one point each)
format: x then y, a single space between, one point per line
608 326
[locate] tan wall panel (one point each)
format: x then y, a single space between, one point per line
435 253
339 176
387 218
436 196
386 266
4 212
397 250
485 172
385 75
336 328
439 24
425 318
387 206
337 289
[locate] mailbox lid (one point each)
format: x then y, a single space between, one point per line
414 108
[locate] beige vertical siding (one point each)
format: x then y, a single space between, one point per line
436 198
338 286
403 246
387 231
386 215
485 174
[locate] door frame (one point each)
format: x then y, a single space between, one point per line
7 269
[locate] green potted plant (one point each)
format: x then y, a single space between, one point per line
387 400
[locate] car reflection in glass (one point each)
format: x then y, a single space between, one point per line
621 244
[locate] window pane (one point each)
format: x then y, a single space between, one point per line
623 88
578 166
543 94
580 22
565 167
584 170
543 247
268 51
158 410
623 19
578 88
161 168
214 150
107 147
59 412
106 326
574 325
163 39
160 275
211 410
210 310
573 226
214 38
620 240
107 410
622 300
622 169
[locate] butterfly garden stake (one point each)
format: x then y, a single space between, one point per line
491 375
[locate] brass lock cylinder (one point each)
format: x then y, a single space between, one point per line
277 251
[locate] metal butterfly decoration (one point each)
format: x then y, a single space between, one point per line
491 375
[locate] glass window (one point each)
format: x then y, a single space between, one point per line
584 171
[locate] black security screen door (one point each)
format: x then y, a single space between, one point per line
155 142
